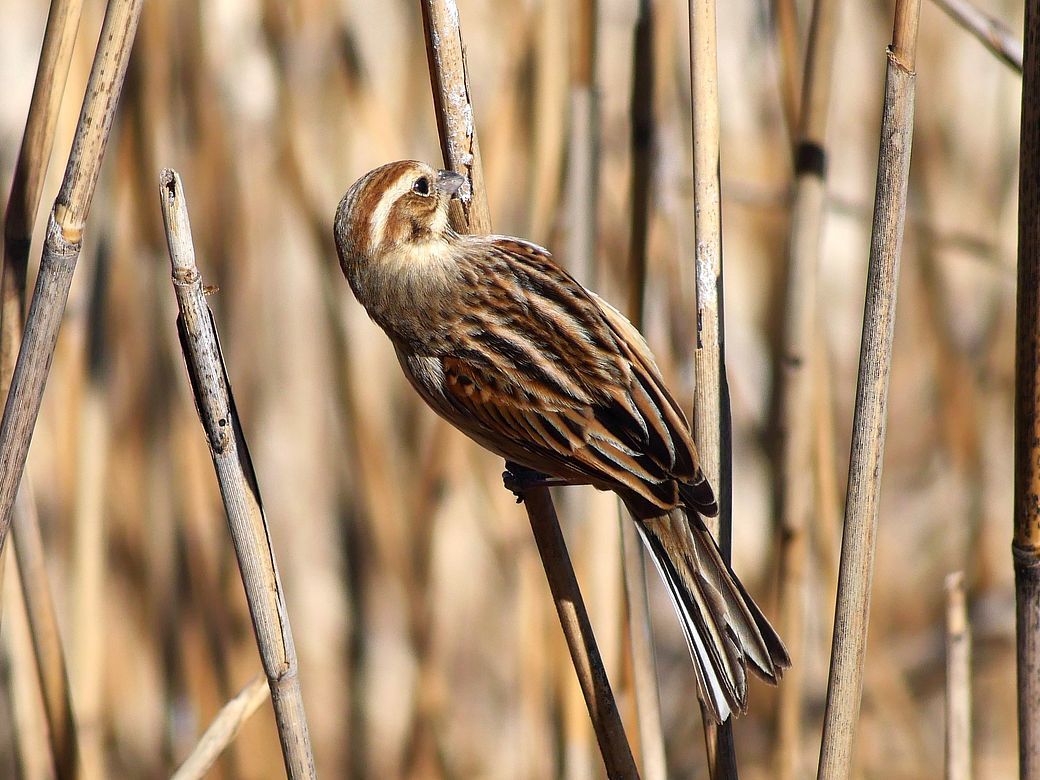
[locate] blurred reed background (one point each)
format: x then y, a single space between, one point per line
427 641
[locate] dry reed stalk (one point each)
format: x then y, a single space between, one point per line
789 49
27 185
795 482
33 753
46 638
582 196
848 650
223 730
26 192
457 131
991 32
642 136
90 548
454 111
62 247
1026 543
641 103
238 485
711 412
550 134
652 755
958 681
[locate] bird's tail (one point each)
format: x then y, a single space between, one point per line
726 631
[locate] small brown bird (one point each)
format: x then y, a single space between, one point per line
510 349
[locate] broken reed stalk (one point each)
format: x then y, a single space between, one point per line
795 484
990 32
958 681
62 247
20 216
848 648
711 412
223 730
1026 542
450 85
238 485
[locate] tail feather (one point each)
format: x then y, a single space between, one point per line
725 630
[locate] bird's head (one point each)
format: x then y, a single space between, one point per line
401 205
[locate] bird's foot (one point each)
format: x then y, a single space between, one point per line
519 479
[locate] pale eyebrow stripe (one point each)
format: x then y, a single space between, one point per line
377 225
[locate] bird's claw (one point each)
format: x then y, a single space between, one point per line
519 479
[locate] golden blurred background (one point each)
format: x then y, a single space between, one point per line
427 640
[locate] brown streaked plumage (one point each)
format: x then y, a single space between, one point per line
509 348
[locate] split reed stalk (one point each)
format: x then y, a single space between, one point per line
223 730
795 488
711 411
958 681
990 32
848 649
1026 542
62 247
455 123
238 485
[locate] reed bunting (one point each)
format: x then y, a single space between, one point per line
511 350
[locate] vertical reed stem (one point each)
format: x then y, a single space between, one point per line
958 681
1026 542
795 488
845 683
711 412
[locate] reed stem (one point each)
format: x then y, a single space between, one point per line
856 569
238 484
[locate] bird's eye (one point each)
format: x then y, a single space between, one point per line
421 186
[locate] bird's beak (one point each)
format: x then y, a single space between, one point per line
449 183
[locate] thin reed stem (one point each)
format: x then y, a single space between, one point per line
848 649
20 216
223 730
583 147
1026 542
46 637
455 122
24 710
711 412
958 681
789 51
644 669
62 248
795 483
238 485
990 32
30 169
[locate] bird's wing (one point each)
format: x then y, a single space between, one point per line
697 492
537 362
